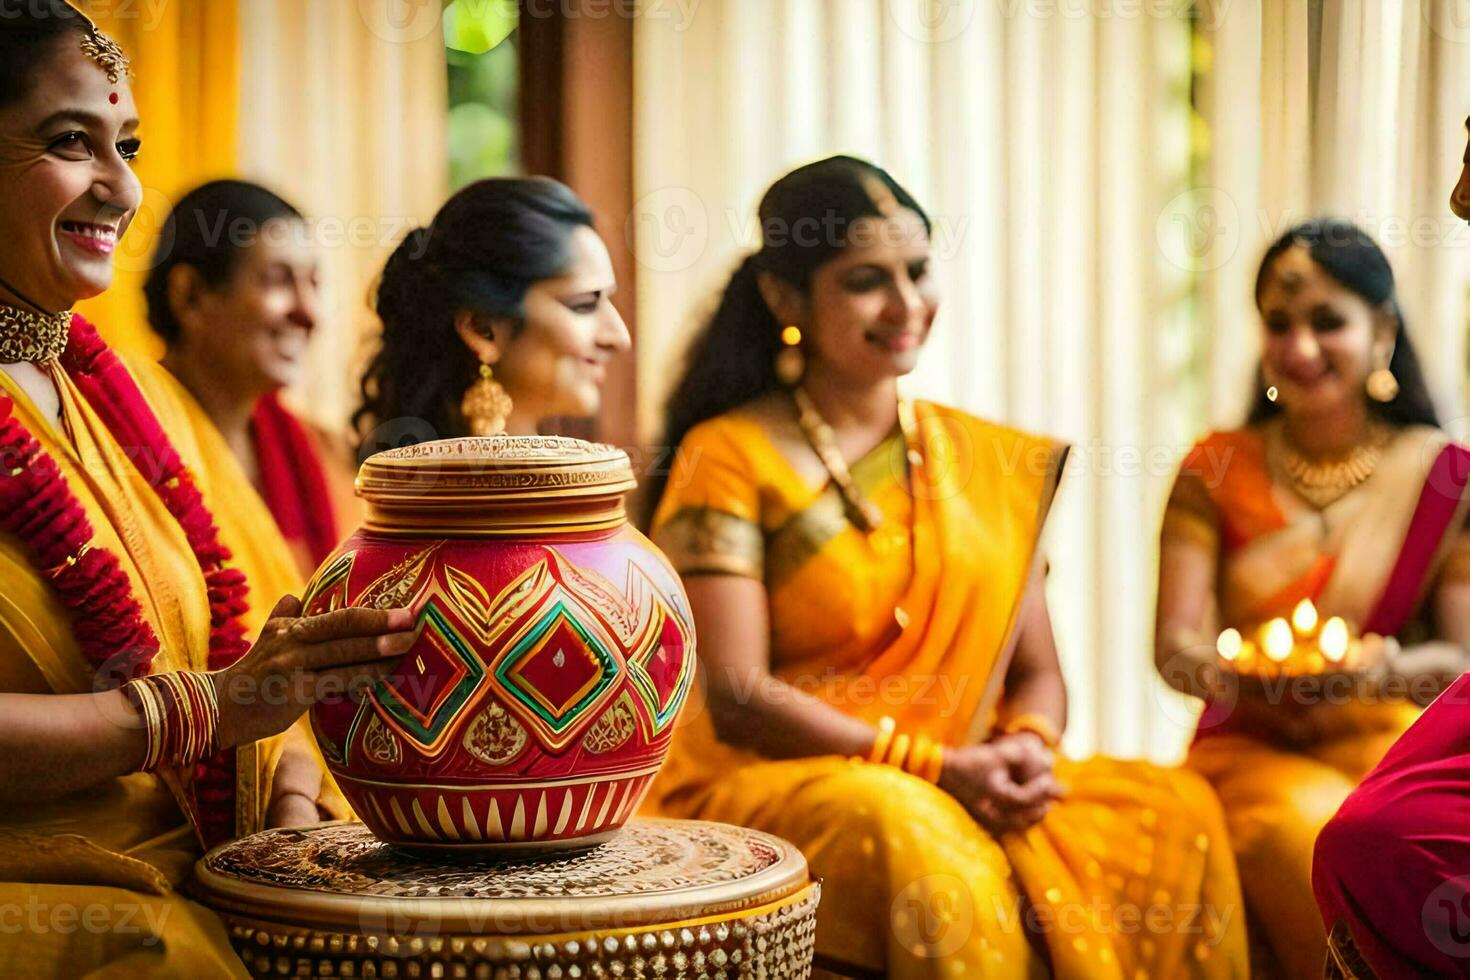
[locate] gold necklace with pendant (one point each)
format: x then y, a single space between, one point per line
861 512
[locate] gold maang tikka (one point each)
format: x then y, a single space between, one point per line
106 53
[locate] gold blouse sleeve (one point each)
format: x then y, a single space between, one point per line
708 522
1191 515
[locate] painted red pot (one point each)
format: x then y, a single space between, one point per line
556 648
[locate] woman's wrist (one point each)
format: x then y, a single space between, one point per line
954 776
946 770
1033 723
919 755
1193 665
287 794
224 732
1404 669
179 712
293 808
1027 736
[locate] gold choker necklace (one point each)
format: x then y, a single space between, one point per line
32 337
1322 482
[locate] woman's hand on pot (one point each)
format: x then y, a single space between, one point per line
300 659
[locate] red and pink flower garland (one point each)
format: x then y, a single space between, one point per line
38 507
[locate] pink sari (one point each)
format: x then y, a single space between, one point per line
1392 869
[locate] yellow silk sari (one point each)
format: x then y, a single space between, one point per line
87 881
1129 876
1272 549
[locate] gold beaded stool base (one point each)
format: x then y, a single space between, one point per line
663 899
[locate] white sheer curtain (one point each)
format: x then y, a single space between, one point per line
1353 108
1046 146
1094 289
344 113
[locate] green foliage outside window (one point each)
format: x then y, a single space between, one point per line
481 39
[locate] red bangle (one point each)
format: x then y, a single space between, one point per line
180 714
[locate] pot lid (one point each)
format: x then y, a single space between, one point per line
484 475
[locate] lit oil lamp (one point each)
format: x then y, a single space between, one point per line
1303 645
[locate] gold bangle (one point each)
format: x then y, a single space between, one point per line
145 701
886 728
936 765
1037 724
918 753
180 714
926 760
900 751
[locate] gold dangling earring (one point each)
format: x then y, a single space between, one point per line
1272 393
486 405
790 362
1382 385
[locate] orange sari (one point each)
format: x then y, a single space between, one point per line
915 888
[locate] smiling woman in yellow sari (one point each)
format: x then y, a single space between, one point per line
1342 490
137 722
880 682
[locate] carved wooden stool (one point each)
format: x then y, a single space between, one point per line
664 899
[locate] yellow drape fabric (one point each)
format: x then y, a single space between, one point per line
1272 550
186 67
914 886
245 524
115 853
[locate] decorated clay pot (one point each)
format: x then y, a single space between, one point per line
556 647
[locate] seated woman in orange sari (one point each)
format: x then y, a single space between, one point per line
136 722
1330 493
880 681
233 294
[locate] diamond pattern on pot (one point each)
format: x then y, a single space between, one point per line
432 681
662 667
561 671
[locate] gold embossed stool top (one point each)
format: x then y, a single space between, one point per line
664 898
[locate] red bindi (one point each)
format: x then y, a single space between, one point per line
112 98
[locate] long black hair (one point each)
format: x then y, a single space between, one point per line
30 31
1353 259
209 229
805 219
486 247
